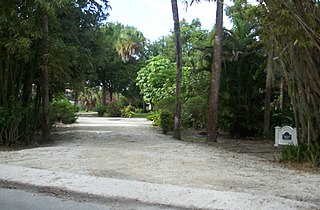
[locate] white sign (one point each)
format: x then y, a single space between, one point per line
285 136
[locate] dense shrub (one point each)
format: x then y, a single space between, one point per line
10 119
155 117
194 112
166 104
127 111
63 111
166 121
114 109
241 121
138 110
124 101
101 110
300 153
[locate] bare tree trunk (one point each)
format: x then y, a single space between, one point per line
104 93
177 117
267 101
76 97
215 77
45 94
110 94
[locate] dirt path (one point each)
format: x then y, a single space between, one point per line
132 149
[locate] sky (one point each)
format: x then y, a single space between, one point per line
154 17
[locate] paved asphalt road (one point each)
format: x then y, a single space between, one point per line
15 199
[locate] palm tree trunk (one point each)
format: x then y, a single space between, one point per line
177 117
212 127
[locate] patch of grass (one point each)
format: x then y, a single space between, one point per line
193 136
140 115
194 139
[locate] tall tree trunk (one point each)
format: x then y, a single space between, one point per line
215 77
104 93
267 100
45 96
177 116
76 97
110 94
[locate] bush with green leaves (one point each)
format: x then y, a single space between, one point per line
127 111
63 111
300 153
157 79
166 104
10 119
166 121
138 110
155 117
114 109
194 112
101 110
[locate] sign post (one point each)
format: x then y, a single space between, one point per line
285 136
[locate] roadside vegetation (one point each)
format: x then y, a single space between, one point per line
60 58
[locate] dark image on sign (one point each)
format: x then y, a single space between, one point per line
286 136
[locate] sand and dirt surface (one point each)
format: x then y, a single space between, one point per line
133 149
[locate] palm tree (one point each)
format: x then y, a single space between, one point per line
130 42
215 77
216 73
177 117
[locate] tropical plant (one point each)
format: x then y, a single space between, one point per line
195 112
212 126
127 111
156 80
62 111
130 42
177 35
101 110
166 121
114 109
295 34
31 32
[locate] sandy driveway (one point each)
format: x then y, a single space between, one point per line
132 149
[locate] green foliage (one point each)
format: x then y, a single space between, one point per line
195 112
166 104
242 79
114 109
138 110
130 42
25 54
124 101
101 110
291 36
281 117
156 80
2 117
63 111
166 121
140 115
155 117
300 153
127 111
10 118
